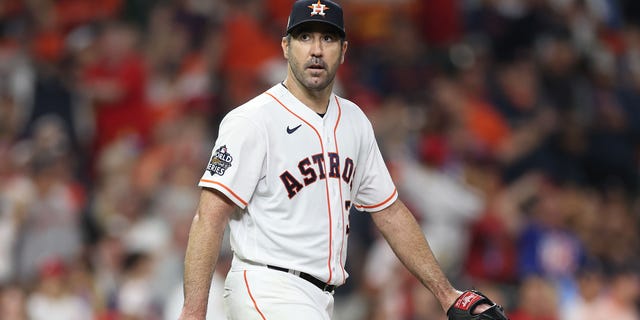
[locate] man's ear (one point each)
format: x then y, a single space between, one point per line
345 44
285 47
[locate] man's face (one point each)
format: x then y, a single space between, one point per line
314 52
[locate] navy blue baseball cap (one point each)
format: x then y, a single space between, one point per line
325 11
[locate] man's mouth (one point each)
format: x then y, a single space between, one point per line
316 64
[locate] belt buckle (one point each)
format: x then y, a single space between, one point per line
327 286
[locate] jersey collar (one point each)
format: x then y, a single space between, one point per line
300 108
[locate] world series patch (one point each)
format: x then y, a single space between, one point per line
220 161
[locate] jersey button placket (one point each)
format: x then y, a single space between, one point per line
334 196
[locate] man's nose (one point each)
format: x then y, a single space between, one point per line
316 47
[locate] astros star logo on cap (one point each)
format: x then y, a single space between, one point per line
304 11
318 8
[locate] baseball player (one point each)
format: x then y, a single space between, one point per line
286 168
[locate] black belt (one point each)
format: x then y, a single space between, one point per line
315 281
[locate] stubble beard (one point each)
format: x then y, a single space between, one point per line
309 82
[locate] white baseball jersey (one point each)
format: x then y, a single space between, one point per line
295 175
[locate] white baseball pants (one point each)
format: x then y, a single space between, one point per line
260 293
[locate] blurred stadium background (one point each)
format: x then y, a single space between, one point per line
511 128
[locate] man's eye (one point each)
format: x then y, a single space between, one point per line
305 36
329 38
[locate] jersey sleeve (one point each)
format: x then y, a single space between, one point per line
376 189
237 160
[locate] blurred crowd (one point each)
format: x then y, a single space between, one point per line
511 128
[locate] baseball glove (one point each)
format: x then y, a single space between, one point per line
463 306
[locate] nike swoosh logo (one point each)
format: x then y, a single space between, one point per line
292 130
